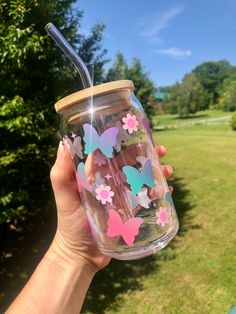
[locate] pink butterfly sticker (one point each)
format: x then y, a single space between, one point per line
128 230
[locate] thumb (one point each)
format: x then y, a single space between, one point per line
63 182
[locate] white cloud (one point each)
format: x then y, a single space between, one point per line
151 31
174 52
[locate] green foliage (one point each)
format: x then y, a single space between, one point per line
186 98
211 75
228 99
33 73
233 121
170 104
144 87
119 69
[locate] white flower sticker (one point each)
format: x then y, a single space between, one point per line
104 194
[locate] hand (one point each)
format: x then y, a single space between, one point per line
73 240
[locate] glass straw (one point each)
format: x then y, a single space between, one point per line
70 53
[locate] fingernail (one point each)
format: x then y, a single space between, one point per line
60 149
169 169
171 188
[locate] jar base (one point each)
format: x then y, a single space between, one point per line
141 252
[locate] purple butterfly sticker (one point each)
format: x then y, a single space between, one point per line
105 142
141 198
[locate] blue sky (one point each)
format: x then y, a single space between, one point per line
169 37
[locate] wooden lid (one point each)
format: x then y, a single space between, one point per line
92 91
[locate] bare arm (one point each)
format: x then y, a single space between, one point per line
57 286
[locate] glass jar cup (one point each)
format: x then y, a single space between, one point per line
119 177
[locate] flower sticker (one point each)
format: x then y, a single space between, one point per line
104 194
99 159
130 123
162 217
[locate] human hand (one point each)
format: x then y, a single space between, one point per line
73 241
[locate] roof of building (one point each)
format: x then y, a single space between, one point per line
160 95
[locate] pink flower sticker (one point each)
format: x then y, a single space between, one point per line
162 217
104 194
99 159
130 123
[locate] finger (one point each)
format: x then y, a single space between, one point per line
167 171
171 189
63 182
160 150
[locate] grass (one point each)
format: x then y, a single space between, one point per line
170 119
196 272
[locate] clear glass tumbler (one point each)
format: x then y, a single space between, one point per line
126 197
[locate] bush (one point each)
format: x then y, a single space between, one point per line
33 73
233 121
228 99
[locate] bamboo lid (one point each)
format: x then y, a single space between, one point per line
94 91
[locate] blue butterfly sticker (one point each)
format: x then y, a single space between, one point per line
105 142
137 179
168 199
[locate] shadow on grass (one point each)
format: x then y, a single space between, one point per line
126 276
192 117
21 250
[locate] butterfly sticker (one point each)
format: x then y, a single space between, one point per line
128 230
142 160
168 199
75 147
99 179
122 135
141 199
78 147
137 179
81 178
105 142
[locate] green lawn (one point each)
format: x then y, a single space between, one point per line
168 119
197 272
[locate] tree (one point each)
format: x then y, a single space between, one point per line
144 87
186 98
170 104
119 70
228 99
211 75
33 74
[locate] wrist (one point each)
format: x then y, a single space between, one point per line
69 259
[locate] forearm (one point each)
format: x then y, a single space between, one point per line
57 286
